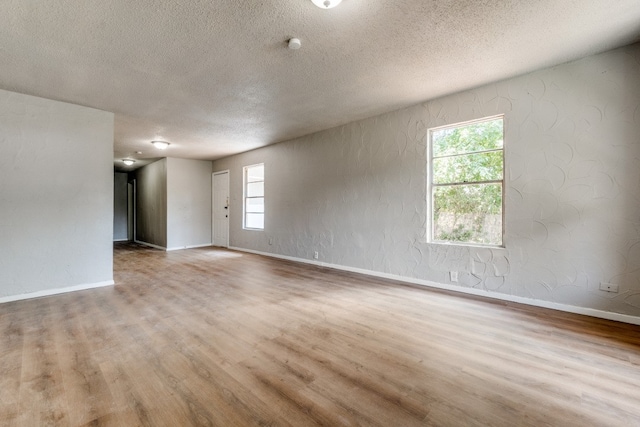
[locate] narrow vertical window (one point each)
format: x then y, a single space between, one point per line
466 180
254 197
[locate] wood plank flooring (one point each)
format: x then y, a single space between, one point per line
219 338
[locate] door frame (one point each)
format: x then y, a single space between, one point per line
213 201
131 210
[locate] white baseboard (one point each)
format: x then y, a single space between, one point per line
120 240
625 318
50 292
151 245
205 245
176 248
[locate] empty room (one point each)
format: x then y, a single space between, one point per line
320 212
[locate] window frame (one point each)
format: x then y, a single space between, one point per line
245 197
431 186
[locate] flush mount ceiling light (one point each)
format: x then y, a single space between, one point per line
326 4
160 145
128 162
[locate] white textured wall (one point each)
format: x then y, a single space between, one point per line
56 195
120 211
151 203
357 193
188 203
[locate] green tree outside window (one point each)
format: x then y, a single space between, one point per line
467 172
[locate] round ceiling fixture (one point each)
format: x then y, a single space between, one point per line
128 162
326 4
294 44
160 145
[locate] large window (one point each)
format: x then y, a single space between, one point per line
254 197
466 174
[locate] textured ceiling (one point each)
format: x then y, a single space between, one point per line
214 77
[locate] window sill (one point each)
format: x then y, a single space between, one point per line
467 245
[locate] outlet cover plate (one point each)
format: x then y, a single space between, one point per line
609 287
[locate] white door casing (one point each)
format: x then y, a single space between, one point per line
220 209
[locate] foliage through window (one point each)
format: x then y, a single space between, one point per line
466 170
254 197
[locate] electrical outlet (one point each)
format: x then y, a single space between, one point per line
315 255
454 276
271 240
609 287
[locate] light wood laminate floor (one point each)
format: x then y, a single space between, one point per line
215 337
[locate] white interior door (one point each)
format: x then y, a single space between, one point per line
221 209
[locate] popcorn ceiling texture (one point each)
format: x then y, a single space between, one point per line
215 78
357 193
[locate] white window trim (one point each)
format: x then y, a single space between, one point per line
244 196
430 203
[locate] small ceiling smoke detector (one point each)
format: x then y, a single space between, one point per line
128 162
160 145
326 4
294 44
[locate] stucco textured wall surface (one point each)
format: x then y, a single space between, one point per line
357 193
56 218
